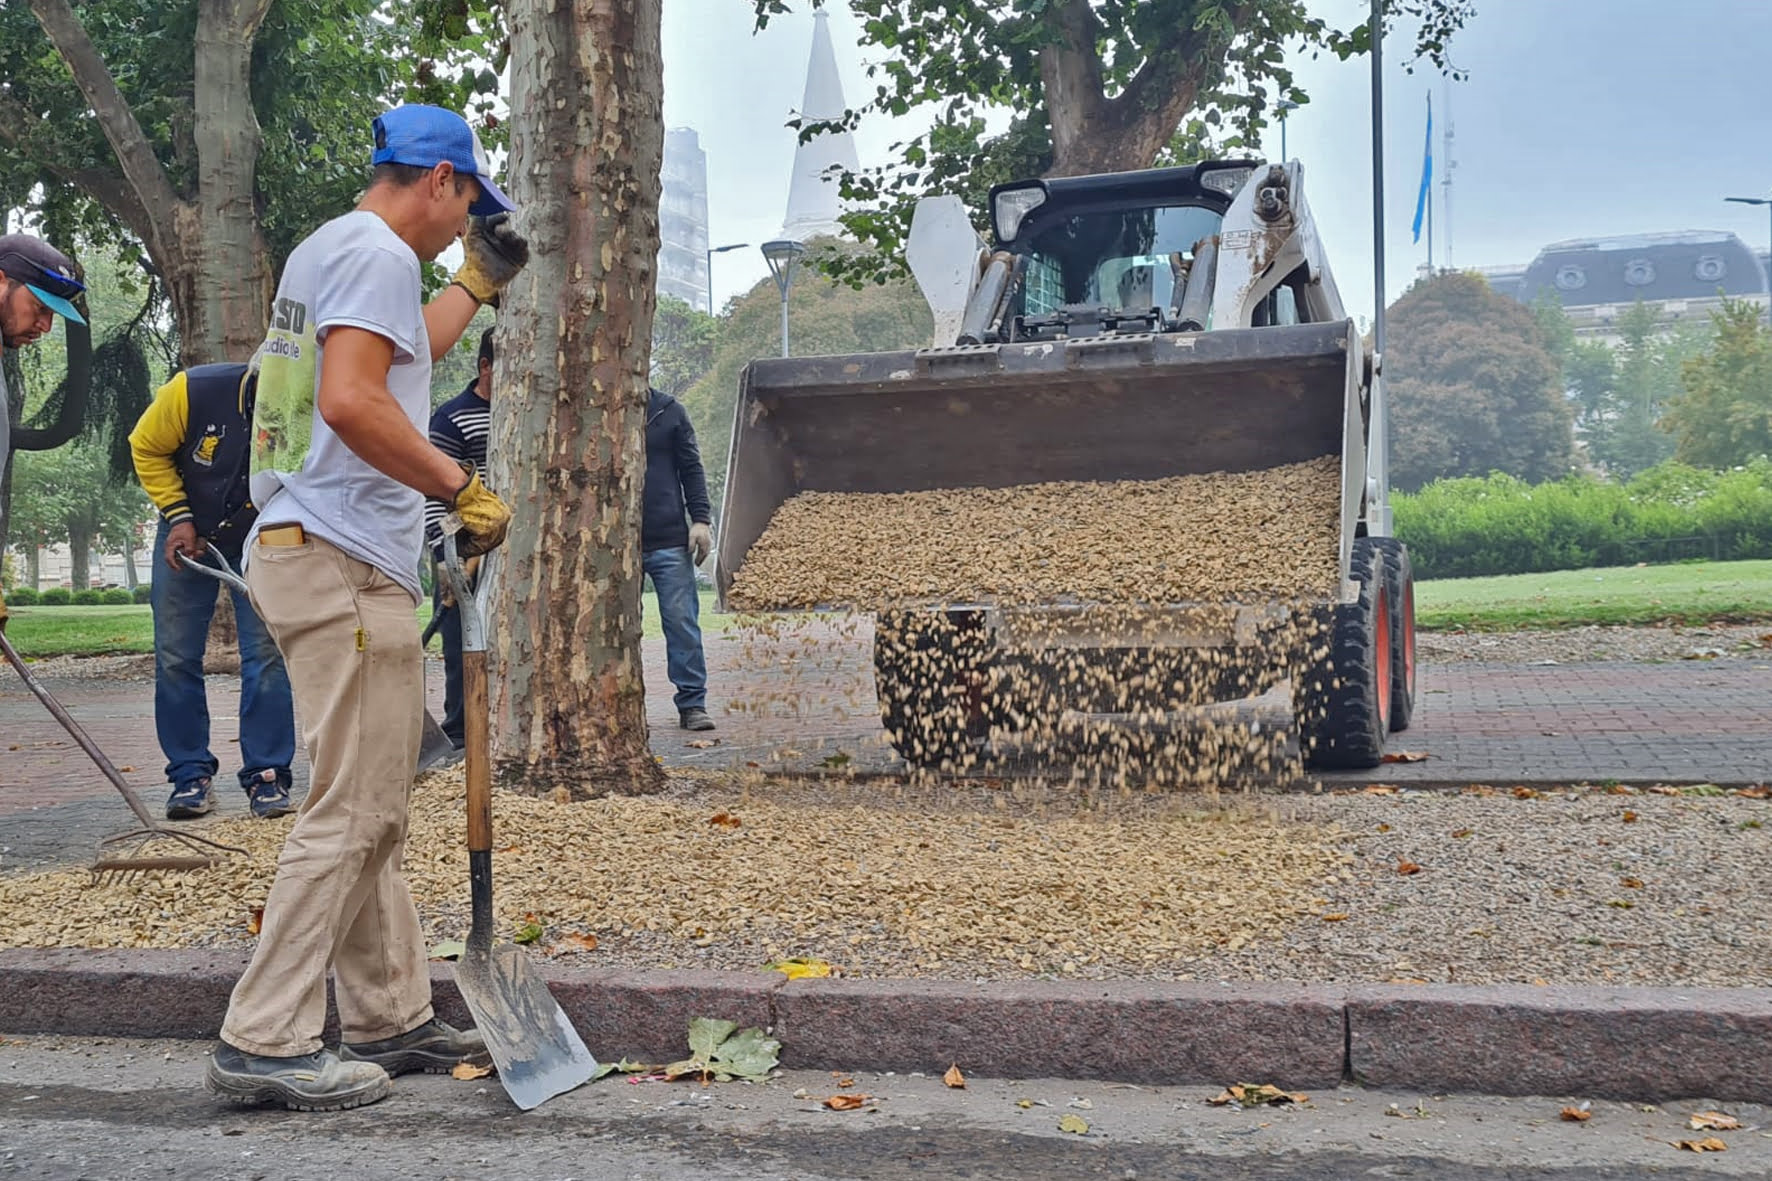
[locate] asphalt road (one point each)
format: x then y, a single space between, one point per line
73 1108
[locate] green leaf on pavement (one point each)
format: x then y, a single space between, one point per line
449 949
717 1051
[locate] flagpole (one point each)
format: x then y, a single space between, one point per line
1430 191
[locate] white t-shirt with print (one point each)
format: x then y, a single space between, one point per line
354 272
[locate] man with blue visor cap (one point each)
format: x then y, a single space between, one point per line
37 284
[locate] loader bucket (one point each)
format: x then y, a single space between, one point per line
1102 408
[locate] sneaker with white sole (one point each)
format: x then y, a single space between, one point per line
190 799
268 793
312 1082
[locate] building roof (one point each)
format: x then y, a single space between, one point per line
1690 264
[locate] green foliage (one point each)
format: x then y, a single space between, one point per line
143 592
22 596
116 596
1472 387
682 345
1724 415
55 596
68 493
1498 524
88 597
825 317
1224 64
720 1051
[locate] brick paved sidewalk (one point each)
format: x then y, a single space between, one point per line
799 697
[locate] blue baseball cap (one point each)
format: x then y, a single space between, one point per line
50 274
425 136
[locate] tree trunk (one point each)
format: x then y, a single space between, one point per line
221 654
33 566
130 578
79 559
569 449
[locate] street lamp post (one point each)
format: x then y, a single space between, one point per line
713 250
1283 106
782 254
1767 202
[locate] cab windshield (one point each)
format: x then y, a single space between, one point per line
1119 259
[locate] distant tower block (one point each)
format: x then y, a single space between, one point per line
813 204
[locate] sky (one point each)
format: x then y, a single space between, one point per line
1579 118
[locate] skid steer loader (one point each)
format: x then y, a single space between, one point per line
1132 326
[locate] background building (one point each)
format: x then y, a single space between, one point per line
683 220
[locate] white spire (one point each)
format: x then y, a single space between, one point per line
812 199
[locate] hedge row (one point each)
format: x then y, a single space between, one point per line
1501 525
61 596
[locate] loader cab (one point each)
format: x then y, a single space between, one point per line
1107 253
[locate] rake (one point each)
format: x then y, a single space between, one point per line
121 857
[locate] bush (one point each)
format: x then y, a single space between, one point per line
1499 525
23 596
116 597
142 593
88 598
55 596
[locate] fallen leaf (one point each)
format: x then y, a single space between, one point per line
954 1078
580 942
840 759
846 1102
529 932
1577 1115
1460 833
1406 756
1384 828
800 968
1662 789
125 770
1631 883
256 921
844 1083
1620 903
1337 917
702 743
1073 1123
1708 1144
725 820
449 949
1407 867
467 1070
1256 1094
1024 1104
1381 789
1527 793
1629 817
1757 792
1713 1121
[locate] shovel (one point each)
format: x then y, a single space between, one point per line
434 747
537 1051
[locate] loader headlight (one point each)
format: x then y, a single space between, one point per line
1010 207
1228 181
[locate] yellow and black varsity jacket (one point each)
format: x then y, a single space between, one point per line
191 452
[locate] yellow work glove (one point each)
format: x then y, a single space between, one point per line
483 517
493 252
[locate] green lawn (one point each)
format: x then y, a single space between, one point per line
1697 592
40 632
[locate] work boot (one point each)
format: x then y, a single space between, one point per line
268 793
433 1047
190 799
312 1082
695 718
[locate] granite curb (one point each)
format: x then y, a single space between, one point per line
1647 1044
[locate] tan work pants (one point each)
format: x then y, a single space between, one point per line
349 636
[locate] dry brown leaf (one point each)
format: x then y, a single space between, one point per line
1577 1115
1527 793
575 941
255 922
1384 828
1406 756
725 820
846 1102
1338 917
1256 1094
1631 883
1407 867
1381 789
467 1071
125 770
701 743
1461 833
1661 789
1713 1121
1629 817
954 1078
1757 792
1708 1144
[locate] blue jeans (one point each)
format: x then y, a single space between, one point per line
183 603
454 722
679 607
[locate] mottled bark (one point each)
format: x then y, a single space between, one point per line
79 560
587 141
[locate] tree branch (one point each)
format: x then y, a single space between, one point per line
141 168
71 414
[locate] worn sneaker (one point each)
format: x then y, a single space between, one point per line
434 1047
695 718
190 799
268 793
312 1082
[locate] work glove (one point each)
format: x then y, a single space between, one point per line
493 253
181 539
447 589
701 543
477 517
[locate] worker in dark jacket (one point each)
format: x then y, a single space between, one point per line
676 536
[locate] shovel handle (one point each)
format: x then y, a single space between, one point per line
475 710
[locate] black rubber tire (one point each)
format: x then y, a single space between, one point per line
1346 702
929 674
1399 579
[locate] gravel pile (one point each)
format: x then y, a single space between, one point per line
1581 644
1207 538
96 668
982 879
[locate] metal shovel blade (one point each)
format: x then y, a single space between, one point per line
537 1051
434 747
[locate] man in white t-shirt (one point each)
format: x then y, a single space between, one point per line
341 468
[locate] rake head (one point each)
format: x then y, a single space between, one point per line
134 863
